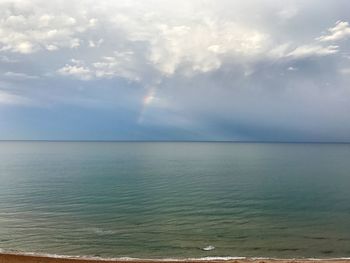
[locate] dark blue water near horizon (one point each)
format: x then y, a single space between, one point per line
175 199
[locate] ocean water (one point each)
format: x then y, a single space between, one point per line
175 200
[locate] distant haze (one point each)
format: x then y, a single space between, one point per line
264 70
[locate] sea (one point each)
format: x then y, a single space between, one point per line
178 200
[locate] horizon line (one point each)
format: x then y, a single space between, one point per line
179 141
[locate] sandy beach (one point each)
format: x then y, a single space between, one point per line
15 258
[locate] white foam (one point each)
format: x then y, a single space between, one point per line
216 258
226 258
208 248
100 231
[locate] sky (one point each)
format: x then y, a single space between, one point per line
262 70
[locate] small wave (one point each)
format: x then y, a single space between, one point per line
218 258
214 258
100 231
208 248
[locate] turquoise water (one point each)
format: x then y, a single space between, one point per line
171 200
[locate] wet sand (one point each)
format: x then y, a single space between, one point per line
15 258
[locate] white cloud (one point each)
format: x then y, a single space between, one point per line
76 71
93 22
120 64
166 43
288 12
345 71
7 59
19 76
158 38
289 50
97 43
11 99
201 45
28 28
24 47
339 31
312 50
292 68
279 51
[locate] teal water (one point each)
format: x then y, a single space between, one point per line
171 200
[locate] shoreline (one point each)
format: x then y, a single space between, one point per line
42 258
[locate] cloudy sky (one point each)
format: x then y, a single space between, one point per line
262 70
